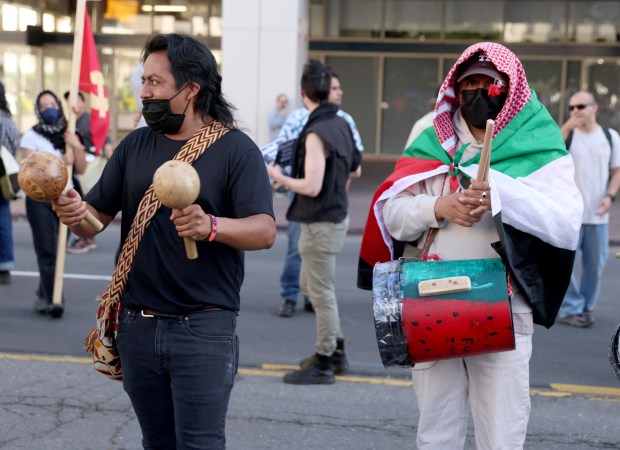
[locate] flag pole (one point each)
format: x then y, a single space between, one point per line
78 38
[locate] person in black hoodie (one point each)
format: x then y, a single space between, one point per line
325 155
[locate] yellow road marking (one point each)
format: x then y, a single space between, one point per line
588 390
46 358
557 390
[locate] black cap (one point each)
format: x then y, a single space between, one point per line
480 64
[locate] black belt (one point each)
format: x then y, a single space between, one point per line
150 313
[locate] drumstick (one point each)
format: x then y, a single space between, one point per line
485 154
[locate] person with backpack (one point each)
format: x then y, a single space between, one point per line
596 155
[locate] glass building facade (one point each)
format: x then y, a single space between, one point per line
390 54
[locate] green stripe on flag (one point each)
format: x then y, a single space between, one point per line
531 140
427 146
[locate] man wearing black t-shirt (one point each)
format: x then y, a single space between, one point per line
176 334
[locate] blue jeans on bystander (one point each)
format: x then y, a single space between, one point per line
581 297
289 280
7 261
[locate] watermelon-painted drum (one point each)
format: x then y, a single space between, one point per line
432 310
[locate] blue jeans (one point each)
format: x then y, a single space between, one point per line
7 261
179 372
289 280
582 296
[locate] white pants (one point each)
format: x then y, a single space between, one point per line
498 388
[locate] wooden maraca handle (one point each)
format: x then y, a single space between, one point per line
190 248
90 218
96 223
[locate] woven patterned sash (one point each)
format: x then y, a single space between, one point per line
147 208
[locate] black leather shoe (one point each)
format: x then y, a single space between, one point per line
287 309
339 363
56 310
41 306
5 277
308 306
318 373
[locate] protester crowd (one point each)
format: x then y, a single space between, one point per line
436 205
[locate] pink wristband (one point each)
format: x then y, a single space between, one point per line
213 227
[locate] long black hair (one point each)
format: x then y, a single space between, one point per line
192 62
4 106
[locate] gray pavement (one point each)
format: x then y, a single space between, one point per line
51 398
64 405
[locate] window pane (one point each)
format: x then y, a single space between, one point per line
21 83
473 19
573 84
9 17
352 18
60 7
406 98
316 18
126 101
594 21
604 83
57 70
417 19
359 78
535 21
173 16
544 77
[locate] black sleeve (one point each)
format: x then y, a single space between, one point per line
356 160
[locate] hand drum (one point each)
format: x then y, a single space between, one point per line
43 177
177 185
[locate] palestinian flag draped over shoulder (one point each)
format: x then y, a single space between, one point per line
535 200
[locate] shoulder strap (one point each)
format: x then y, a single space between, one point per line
569 139
149 205
608 136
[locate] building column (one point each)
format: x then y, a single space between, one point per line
264 48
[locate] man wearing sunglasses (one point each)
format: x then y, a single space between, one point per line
596 155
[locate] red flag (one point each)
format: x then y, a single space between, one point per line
92 82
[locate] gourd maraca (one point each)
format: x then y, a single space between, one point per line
43 177
177 186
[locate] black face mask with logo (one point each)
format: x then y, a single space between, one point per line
157 115
477 107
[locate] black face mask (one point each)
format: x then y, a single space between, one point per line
157 115
477 107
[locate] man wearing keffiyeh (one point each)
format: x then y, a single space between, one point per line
530 196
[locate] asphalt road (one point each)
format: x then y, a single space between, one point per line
50 397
